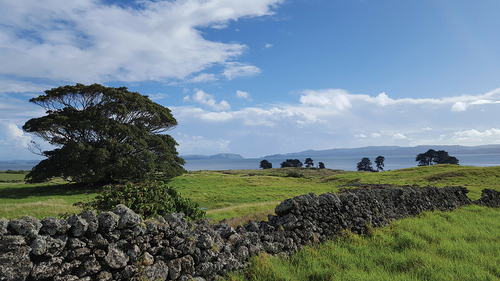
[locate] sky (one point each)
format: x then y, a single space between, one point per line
260 77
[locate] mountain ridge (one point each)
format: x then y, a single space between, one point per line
390 150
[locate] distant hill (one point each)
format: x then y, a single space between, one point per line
391 150
217 156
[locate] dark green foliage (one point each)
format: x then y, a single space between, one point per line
148 199
294 175
291 163
103 135
379 161
264 164
435 157
365 165
321 165
309 163
19 172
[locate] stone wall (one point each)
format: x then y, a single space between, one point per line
119 245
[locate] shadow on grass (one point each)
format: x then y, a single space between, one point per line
43 190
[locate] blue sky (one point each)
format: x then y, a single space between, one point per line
259 77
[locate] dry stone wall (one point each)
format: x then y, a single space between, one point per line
120 245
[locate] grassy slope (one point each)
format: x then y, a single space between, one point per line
236 193
249 189
18 199
459 245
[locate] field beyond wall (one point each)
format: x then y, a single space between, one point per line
459 245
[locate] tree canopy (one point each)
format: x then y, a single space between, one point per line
291 163
309 162
103 134
432 157
264 164
379 161
321 165
365 165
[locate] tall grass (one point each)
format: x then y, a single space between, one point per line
459 245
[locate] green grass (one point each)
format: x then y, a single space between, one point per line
236 193
459 245
248 189
41 200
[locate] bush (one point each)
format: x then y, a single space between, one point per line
148 199
294 175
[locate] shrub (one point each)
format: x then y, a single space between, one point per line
294 175
148 199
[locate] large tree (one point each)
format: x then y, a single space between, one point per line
291 163
379 161
365 165
309 162
435 157
103 135
264 164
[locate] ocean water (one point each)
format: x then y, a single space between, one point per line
347 163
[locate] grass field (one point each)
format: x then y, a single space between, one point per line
459 245
237 193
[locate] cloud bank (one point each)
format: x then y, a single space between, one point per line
88 41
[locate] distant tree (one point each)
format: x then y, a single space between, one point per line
365 165
321 165
427 158
291 163
103 135
264 164
309 163
432 157
453 160
379 161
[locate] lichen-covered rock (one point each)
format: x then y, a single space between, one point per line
286 207
224 230
177 222
108 221
115 257
39 245
93 223
157 271
4 223
128 218
26 226
53 226
489 197
15 263
47 269
78 225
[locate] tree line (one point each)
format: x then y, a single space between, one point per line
430 157
264 164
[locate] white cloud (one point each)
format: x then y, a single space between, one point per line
204 77
216 116
243 95
471 134
236 69
360 136
267 46
156 40
399 136
158 96
15 142
337 100
219 26
206 99
375 135
459 106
